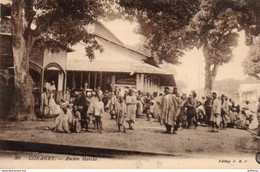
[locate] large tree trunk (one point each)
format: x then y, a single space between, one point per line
210 71
23 108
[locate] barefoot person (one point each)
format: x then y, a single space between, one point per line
215 113
98 109
130 109
169 110
191 110
158 108
121 114
111 105
147 106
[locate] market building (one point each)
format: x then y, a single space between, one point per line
117 66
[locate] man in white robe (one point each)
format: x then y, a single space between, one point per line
215 112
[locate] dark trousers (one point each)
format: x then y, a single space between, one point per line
168 128
83 115
98 120
147 112
208 114
222 123
178 121
192 118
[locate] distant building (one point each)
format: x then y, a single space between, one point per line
250 92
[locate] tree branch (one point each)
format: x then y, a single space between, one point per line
43 22
215 69
38 30
29 13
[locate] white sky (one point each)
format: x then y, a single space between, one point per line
191 71
5 1
124 31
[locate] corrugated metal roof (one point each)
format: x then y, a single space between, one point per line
116 58
102 31
113 59
114 66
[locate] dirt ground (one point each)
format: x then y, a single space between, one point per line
147 136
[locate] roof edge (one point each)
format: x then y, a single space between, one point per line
106 29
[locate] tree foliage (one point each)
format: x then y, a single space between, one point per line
53 24
214 28
171 27
64 22
162 23
252 62
249 19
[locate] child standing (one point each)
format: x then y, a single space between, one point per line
147 106
98 109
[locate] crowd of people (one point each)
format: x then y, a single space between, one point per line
79 110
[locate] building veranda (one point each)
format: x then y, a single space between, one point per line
116 67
